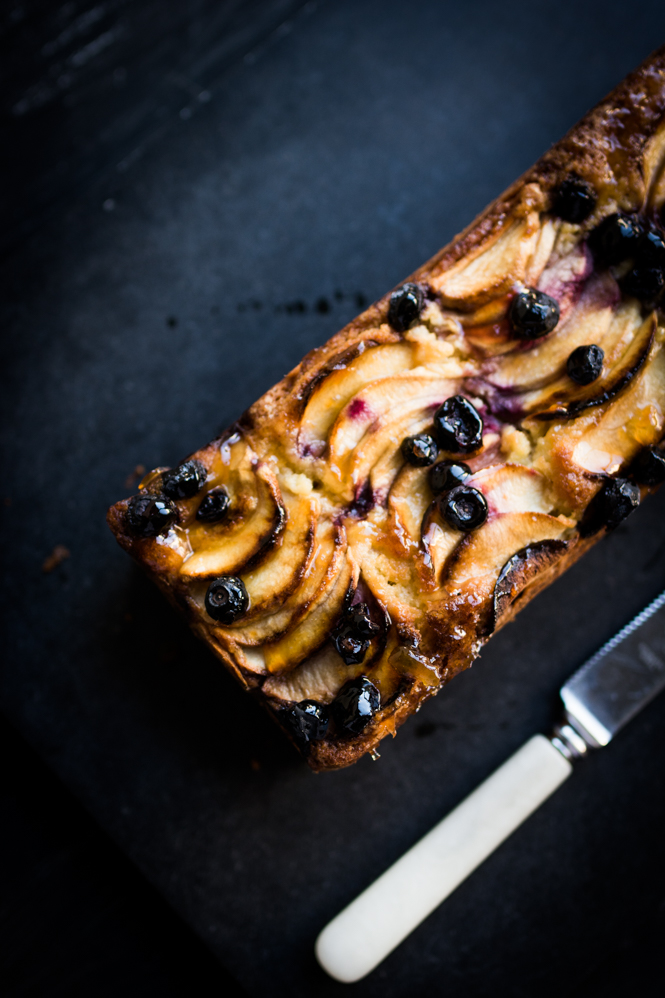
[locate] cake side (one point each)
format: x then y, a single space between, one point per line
351 543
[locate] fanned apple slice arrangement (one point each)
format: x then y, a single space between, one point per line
351 543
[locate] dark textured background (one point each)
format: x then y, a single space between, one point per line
198 193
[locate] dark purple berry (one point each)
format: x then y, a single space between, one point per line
643 283
226 599
185 480
651 252
353 634
616 500
355 705
421 450
307 721
616 239
405 307
214 506
458 426
150 515
445 475
463 508
648 468
533 314
585 364
574 200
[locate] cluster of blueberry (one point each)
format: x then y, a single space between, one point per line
618 239
458 429
351 711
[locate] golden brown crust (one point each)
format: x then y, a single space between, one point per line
438 613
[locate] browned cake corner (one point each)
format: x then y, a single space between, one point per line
350 545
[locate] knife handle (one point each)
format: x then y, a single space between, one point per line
368 929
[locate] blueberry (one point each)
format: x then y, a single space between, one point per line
533 314
616 500
463 508
185 480
574 200
616 239
420 450
307 721
150 515
226 599
648 468
213 506
643 283
445 475
353 634
405 307
355 705
585 364
458 425
651 252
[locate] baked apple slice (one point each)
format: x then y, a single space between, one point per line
226 548
316 623
278 575
345 380
323 564
563 399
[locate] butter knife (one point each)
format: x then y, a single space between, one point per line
598 700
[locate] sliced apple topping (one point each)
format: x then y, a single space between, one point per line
375 411
494 268
316 623
563 398
225 548
277 576
392 576
322 566
439 540
481 555
318 678
339 387
512 488
408 501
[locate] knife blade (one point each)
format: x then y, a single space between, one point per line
600 698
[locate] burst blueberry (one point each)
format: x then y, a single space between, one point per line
420 450
458 426
644 283
585 364
185 480
150 515
307 721
355 705
617 238
574 200
214 506
405 307
353 634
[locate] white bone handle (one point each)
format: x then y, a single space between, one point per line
363 935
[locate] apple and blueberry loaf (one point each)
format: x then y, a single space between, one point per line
350 544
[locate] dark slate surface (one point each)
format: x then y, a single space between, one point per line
145 310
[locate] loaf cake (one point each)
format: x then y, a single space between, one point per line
349 545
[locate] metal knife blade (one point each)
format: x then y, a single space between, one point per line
620 679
